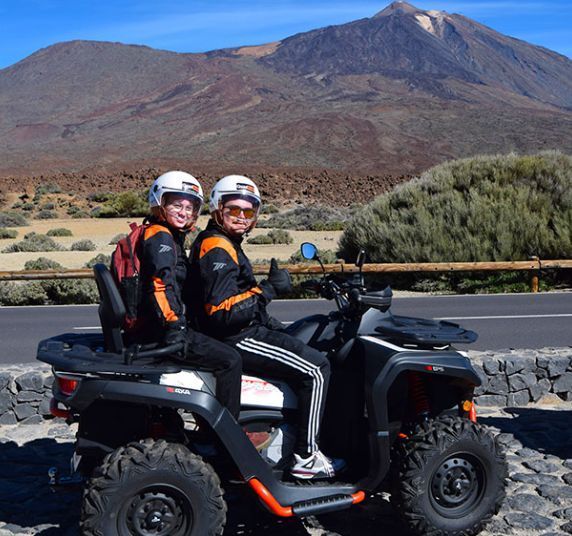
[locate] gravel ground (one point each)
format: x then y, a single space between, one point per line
539 499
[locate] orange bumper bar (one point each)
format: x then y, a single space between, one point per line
285 511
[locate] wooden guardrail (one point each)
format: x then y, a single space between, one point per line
533 266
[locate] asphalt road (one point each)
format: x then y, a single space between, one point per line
502 321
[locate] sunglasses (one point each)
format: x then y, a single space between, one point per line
235 212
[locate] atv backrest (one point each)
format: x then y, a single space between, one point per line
111 309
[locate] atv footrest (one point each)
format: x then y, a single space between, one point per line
322 505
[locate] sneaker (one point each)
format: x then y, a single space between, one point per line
315 466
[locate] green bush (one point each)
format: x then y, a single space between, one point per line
117 238
100 258
276 236
49 188
100 197
20 293
59 231
83 245
123 205
260 239
42 263
80 214
34 242
18 204
48 206
46 215
12 219
327 256
487 208
8 233
28 207
69 291
269 209
309 219
72 209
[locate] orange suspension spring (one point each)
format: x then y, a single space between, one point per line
418 394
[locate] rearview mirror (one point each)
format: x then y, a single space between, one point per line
309 251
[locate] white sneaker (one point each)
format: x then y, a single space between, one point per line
316 466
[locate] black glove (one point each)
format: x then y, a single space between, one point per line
176 332
279 278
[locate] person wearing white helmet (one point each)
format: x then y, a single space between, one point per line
234 311
175 200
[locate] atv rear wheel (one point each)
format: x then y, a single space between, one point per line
450 478
153 488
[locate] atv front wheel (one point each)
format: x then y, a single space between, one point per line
450 478
153 488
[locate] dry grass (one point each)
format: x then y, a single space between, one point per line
101 231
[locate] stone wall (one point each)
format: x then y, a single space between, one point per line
519 377
510 378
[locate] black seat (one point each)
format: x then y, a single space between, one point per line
111 309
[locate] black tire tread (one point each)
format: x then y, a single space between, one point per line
411 456
144 455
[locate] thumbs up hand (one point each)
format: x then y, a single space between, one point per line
279 278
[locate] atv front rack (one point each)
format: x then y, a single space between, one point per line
422 331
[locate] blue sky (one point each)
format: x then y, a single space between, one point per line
200 25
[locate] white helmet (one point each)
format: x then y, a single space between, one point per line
235 186
177 182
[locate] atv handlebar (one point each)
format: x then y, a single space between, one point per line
350 295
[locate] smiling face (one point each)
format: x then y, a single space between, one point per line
238 216
180 211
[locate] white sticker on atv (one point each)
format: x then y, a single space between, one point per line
186 378
266 394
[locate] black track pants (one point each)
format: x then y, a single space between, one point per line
275 354
224 361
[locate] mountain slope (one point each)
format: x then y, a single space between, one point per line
393 93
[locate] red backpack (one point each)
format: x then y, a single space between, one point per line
125 266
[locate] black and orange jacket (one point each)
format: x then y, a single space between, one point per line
164 267
228 299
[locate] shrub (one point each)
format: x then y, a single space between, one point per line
276 236
46 189
73 209
20 293
34 242
46 215
327 256
42 263
28 207
12 219
17 204
487 208
260 239
309 219
68 291
48 206
117 238
8 233
83 245
80 214
100 197
59 231
100 258
124 204
269 209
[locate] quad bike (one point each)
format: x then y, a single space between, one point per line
154 447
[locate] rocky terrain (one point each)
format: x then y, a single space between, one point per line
537 439
383 96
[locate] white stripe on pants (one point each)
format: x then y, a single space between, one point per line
299 363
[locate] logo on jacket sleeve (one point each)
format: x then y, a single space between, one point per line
218 266
165 248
